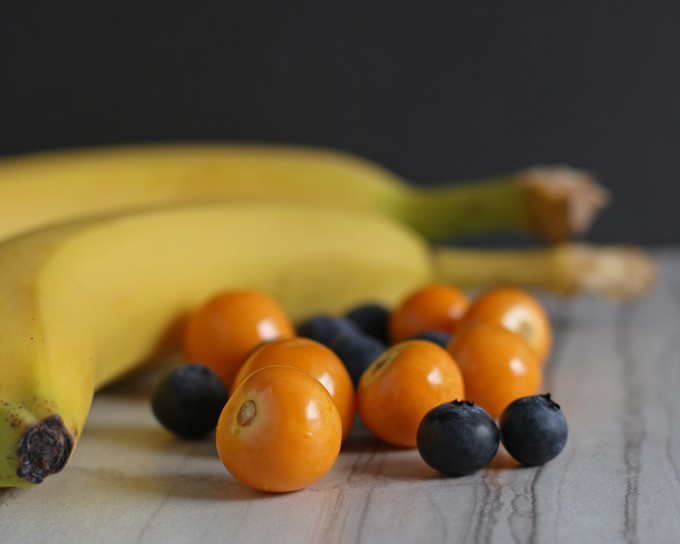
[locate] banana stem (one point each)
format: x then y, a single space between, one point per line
554 203
456 209
610 272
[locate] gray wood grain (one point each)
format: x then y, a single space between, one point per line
615 370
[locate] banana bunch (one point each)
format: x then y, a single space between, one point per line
152 232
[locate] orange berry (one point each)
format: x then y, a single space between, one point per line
517 311
279 431
433 307
224 330
402 385
498 366
316 360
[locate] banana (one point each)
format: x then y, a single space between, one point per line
83 303
36 189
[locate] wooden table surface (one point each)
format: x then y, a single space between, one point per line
615 370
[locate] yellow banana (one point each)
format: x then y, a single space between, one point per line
82 303
40 188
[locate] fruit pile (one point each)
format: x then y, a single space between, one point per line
436 372
104 251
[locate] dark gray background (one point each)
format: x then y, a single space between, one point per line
434 90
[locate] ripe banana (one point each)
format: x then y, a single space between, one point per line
84 302
36 189
81 303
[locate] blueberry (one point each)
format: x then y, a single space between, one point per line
371 319
440 338
457 438
357 351
533 429
325 328
188 400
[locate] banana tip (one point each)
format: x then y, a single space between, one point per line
44 449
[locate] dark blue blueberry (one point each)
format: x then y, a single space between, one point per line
188 400
357 351
371 319
457 438
440 338
533 429
325 328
